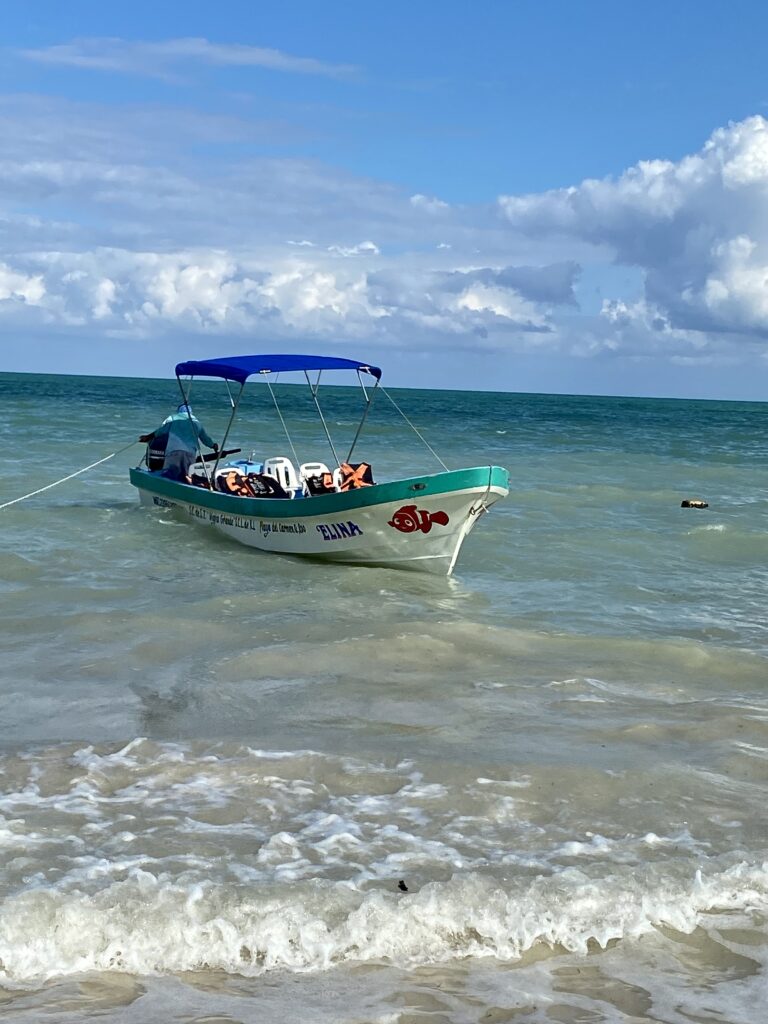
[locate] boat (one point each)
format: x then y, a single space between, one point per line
333 512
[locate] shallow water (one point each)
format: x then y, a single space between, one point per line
216 764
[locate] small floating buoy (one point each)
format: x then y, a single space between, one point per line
693 503
402 886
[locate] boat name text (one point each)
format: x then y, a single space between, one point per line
339 531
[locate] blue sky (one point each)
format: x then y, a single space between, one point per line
539 196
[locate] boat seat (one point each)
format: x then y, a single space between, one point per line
198 475
312 469
282 470
311 476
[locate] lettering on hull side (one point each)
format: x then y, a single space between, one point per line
339 531
267 528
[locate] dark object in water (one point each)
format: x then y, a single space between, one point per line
693 503
402 886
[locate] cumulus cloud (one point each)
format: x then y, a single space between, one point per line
20 287
142 294
552 284
481 300
157 58
698 228
123 264
133 226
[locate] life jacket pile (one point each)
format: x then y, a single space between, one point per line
259 485
251 485
263 486
320 484
353 475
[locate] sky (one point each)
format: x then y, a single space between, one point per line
549 196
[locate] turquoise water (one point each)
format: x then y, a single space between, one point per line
217 763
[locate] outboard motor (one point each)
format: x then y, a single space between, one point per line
156 453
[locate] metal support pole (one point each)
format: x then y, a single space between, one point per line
226 434
368 402
313 391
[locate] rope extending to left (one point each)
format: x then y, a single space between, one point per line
69 477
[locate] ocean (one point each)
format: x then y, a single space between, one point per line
216 765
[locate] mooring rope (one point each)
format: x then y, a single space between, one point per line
69 477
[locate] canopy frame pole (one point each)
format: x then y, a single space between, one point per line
223 444
185 396
415 430
368 403
279 413
313 391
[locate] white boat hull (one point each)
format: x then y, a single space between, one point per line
414 530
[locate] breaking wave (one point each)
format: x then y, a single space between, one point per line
148 924
160 858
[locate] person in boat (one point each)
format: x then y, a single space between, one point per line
175 443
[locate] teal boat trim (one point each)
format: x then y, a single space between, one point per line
416 489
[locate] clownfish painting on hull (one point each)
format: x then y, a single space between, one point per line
342 514
409 518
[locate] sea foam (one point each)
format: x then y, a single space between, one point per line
149 924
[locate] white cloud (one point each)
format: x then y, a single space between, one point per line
428 203
698 228
123 263
363 249
143 294
153 178
101 219
16 286
504 303
157 58
105 293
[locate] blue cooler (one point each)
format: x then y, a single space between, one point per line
245 466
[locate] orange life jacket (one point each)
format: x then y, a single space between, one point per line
356 476
235 483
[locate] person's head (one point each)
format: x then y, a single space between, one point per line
185 408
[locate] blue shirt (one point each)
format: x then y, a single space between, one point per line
182 431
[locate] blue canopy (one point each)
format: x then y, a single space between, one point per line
240 368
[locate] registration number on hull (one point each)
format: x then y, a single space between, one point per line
267 527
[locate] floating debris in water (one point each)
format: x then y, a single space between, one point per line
402 886
693 503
